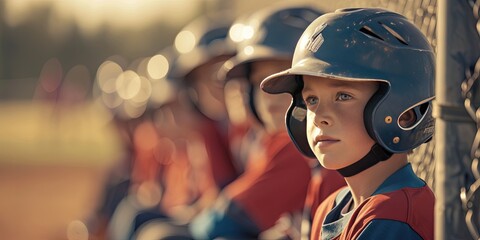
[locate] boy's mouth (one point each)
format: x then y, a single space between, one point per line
324 140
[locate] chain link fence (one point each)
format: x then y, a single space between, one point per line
470 194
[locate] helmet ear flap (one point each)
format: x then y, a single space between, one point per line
296 121
368 119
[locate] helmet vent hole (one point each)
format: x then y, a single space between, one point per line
394 33
408 119
369 32
414 116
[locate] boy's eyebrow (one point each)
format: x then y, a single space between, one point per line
344 84
306 88
339 84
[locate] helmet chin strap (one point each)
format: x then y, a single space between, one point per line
374 156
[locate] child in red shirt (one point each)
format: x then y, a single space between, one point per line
362 86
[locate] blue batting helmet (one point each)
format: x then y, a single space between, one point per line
366 45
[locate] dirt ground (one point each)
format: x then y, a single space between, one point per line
43 202
53 164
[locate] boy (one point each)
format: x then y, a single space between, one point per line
362 85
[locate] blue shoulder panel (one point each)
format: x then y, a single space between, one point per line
388 230
404 177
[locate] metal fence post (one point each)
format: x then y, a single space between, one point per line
458 50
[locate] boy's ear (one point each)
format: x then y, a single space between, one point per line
408 119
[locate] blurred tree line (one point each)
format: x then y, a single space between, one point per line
26 47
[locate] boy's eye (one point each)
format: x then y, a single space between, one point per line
311 100
343 97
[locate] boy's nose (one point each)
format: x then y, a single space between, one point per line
322 116
322 120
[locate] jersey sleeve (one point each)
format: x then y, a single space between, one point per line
388 230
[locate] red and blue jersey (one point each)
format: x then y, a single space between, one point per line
402 207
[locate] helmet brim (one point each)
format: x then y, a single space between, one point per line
235 67
284 82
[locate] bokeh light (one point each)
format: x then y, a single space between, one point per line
235 33
185 41
248 50
107 74
158 66
128 84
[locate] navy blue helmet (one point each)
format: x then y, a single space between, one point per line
366 45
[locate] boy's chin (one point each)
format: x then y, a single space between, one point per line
329 163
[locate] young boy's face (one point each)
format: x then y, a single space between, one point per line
209 90
271 108
335 127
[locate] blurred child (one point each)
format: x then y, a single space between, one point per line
196 69
201 126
